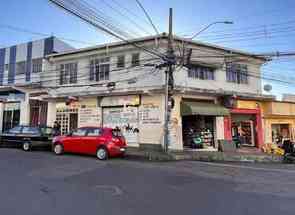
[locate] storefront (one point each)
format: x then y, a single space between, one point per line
278 128
280 132
245 125
11 115
122 112
11 108
200 124
38 112
81 113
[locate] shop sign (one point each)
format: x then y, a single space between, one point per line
114 101
149 114
12 106
89 117
12 97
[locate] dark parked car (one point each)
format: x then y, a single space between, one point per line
27 137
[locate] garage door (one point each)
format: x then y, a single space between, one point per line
124 118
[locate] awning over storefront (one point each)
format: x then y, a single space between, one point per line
203 108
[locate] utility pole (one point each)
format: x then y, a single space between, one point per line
169 82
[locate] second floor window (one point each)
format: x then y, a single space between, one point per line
21 68
121 61
237 73
68 73
37 65
135 59
6 68
201 72
100 69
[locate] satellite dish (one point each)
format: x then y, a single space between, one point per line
267 87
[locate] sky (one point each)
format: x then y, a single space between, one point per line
260 26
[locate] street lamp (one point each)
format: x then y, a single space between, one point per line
208 26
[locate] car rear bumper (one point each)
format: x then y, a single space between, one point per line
116 150
122 149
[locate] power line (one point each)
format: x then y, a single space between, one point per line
241 29
264 32
144 75
148 16
125 16
130 12
97 24
23 30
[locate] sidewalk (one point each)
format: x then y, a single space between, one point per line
241 155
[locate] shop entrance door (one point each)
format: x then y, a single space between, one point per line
68 119
243 129
280 132
73 121
11 116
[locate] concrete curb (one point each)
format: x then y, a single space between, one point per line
202 156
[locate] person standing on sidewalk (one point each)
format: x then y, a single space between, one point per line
56 128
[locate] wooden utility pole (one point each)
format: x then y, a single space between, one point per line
169 83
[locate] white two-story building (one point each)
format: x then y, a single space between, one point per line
117 85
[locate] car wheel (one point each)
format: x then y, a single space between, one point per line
26 146
58 149
102 153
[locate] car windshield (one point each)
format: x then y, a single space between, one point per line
30 130
79 132
47 131
15 130
94 132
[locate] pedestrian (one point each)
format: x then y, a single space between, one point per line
56 128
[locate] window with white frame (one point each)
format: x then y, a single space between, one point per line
21 68
201 72
6 68
237 73
68 73
135 59
37 65
100 69
121 61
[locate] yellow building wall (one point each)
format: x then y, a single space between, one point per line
247 104
253 105
283 108
272 113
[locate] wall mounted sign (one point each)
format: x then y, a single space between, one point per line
113 101
149 114
89 117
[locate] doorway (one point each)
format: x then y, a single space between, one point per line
243 129
11 116
198 131
73 121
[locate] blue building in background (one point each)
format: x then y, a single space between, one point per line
21 69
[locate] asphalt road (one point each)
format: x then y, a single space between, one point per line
42 183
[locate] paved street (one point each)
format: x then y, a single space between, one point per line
42 183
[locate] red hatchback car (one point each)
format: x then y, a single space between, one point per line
102 142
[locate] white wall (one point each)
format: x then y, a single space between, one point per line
254 84
60 46
157 78
21 52
145 76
